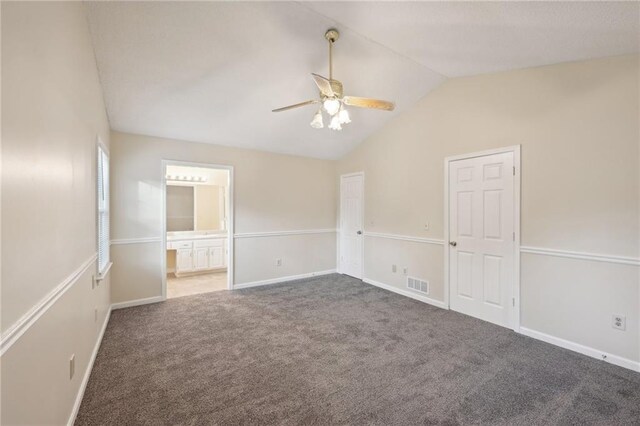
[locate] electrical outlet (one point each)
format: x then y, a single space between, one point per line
278 262
426 226
619 322
405 271
394 268
72 366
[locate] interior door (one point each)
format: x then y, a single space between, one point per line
481 237
351 204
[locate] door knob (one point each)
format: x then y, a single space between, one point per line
359 232
453 243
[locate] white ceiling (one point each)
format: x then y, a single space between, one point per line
467 38
212 71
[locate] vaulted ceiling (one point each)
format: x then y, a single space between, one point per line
212 71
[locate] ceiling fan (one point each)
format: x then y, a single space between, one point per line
331 96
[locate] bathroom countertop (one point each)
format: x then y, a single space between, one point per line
181 236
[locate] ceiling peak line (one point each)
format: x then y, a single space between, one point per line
395 52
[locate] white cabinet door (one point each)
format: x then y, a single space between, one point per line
216 257
201 258
184 260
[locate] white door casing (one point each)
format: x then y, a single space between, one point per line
482 237
351 224
228 260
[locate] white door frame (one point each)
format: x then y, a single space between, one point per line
230 219
515 149
339 239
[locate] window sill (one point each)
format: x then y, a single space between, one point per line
103 274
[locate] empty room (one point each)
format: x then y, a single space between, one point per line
291 213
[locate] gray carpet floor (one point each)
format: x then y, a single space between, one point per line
333 350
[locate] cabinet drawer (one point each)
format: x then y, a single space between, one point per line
214 242
175 245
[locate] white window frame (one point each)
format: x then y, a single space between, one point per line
102 209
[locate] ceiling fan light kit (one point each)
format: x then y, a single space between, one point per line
331 96
317 123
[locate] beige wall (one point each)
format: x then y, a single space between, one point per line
578 125
52 112
272 192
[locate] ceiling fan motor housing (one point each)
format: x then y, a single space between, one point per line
331 90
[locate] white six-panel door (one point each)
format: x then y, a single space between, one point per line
481 237
351 205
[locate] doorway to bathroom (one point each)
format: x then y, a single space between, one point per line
198 228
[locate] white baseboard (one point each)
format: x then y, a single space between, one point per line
87 372
585 350
282 279
406 293
137 302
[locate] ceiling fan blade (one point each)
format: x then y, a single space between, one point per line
368 103
324 85
301 104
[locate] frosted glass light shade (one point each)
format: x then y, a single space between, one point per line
344 116
331 106
317 123
335 123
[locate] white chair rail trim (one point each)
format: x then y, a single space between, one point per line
136 240
240 235
404 238
284 233
581 255
596 257
14 332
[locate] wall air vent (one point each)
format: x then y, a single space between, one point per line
416 284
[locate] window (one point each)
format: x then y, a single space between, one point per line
103 210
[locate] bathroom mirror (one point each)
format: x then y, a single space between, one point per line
197 207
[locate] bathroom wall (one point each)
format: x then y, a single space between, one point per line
209 207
